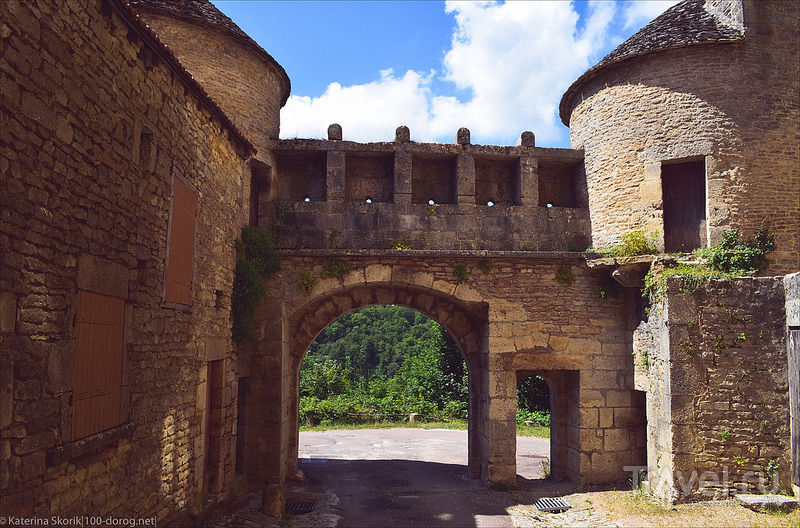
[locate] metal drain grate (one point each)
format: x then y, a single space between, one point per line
296 507
554 505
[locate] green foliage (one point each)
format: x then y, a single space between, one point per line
461 273
255 256
728 259
485 266
382 360
609 288
322 377
644 358
256 246
403 244
533 396
564 275
740 258
248 292
633 244
307 281
725 434
541 418
335 268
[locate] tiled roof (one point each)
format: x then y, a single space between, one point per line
161 51
205 13
684 24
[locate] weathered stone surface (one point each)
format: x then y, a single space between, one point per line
634 113
716 378
88 161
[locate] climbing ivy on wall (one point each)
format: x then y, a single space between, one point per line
256 255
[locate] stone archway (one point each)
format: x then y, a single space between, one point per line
464 321
269 423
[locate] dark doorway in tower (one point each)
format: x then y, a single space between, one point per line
683 186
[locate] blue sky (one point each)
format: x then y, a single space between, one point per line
498 68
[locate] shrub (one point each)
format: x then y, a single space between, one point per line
461 273
307 281
633 244
740 258
730 258
335 268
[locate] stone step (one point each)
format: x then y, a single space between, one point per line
767 502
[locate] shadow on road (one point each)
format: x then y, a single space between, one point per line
405 493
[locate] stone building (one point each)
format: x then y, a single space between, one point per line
137 139
689 128
123 187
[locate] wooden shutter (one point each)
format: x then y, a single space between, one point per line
181 244
98 371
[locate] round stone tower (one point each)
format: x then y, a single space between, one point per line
246 82
689 128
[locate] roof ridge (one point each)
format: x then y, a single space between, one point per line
684 24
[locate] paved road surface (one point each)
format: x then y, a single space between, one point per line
407 477
394 478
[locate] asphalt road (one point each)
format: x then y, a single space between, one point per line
407 477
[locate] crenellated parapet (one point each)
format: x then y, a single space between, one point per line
347 195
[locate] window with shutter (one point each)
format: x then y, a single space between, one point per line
180 255
98 371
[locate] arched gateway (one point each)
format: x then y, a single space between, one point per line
513 319
465 321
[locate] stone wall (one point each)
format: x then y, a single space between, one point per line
792 286
517 318
714 366
98 121
732 104
248 84
344 195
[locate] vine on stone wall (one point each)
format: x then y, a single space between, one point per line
256 255
730 258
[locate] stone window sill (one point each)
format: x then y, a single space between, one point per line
63 453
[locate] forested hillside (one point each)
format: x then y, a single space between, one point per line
376 339
384 362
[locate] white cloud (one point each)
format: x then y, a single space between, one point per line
513 59
367 112
638 13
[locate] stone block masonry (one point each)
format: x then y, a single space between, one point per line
717 390
346 195
98 123
515 319
698 103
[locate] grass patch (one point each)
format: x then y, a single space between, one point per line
459 425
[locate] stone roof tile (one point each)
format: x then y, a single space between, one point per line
205 13
685 24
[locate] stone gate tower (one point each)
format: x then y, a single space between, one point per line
689 128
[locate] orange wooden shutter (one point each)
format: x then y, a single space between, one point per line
98 370
181 244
